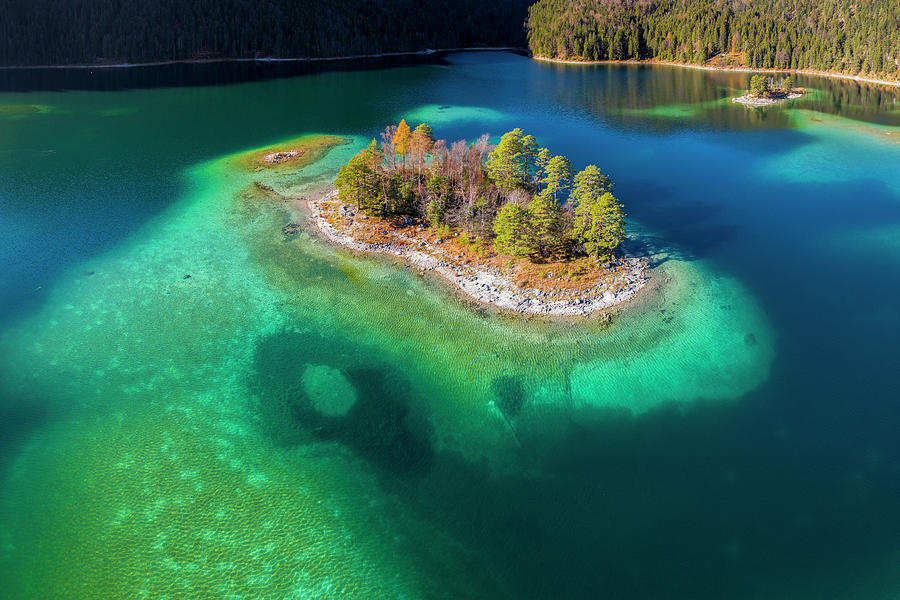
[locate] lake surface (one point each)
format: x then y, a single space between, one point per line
734 434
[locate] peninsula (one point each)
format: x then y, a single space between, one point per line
511 225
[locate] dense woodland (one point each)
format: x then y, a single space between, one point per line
516 195
858 37
45 32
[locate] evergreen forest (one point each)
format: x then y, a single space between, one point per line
49 32
861 37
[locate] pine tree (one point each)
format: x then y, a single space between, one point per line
759 84
590 180
546 223
600 224
557 176
599 217
506 164
356 184
513 230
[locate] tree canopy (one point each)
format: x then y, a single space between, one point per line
514 195
861 37
759 84
45 32
599 216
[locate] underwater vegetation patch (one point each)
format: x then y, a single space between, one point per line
510 395
290 154
18 111
331 390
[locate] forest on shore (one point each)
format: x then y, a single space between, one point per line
854 38
517 196
48 32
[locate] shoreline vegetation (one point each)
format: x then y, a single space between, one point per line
726 68
510 225
553 291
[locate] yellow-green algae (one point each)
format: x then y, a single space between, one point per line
678 111
311 147
18 111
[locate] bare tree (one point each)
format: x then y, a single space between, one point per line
387 144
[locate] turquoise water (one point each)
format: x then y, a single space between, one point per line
294 421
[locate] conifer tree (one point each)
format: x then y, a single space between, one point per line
590 180
600 224
599 217
759 84
546 223
355 184
420 142
513 230
557 176
505 163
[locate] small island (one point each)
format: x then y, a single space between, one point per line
763 93
510 225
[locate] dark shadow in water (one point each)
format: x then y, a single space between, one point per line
380 427
193 74
713 500
377 427
19 418
510 395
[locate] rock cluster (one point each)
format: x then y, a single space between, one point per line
754 100
277 157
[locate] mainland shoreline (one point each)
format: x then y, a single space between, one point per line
432 51
478 281
270 59
736 69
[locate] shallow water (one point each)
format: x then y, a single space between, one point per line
733 434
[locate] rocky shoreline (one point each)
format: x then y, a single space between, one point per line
754 100
479 282
727 69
